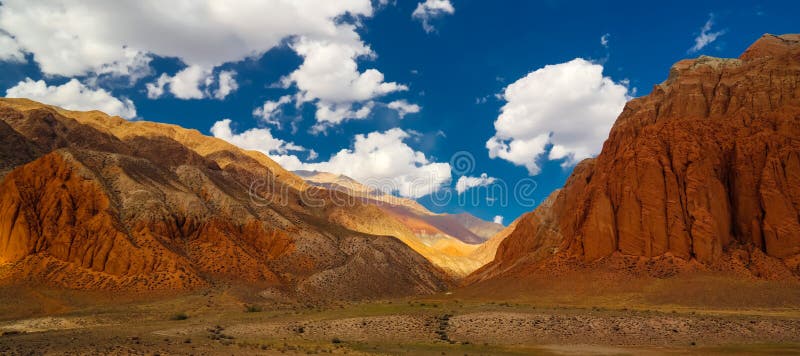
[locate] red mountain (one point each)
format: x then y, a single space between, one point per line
703 173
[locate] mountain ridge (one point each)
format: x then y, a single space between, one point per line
450 240
101 203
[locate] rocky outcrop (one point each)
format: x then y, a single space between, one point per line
705 168
89 201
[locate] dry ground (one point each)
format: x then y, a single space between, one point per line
229 320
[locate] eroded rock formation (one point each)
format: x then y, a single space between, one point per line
706 169
89 201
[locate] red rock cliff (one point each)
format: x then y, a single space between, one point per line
707 164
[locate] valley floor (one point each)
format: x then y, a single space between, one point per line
236 321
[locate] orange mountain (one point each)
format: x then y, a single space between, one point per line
89 201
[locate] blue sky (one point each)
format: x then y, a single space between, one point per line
453 60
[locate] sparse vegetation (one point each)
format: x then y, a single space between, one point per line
405 329
179 316
250 308
443 323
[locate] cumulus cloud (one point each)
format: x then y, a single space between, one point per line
227 84
64 40
76 37
604 39
404 108
568 108
184 84
498 219
331 114
384 161
10 50
381 160
73 95
706 36
257 139
465 183
156 89
193 82
330 78
431 9
271 109
312 155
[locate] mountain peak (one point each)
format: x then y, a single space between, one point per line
772 46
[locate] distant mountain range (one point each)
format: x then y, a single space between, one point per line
450 240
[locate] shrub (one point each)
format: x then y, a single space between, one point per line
252 309
179 316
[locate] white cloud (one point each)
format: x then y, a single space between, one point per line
194 82
63 38
330 78
404 108
10 50
156 89
706 36
331 114
312 155
73 95
570 106
430 9
382 160
227 84
465 183
77 37
379 159
498 219
271 109
604 39
186 83
257 139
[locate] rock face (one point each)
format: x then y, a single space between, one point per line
89 201
704 169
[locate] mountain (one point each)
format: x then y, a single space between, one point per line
484 230
701 174
89 201
464 226
350 186
449 240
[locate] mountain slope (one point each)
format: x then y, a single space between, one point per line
89 201
447 240
703 173
465 227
